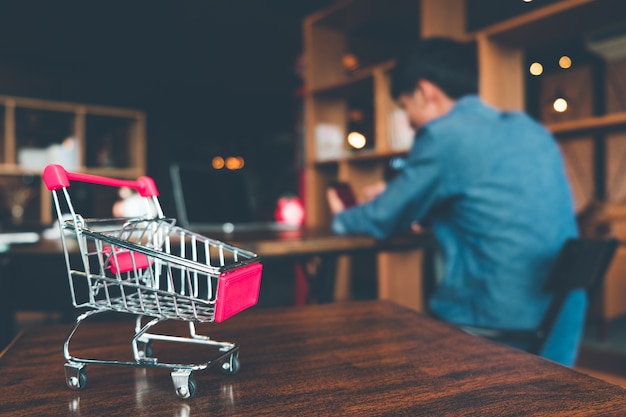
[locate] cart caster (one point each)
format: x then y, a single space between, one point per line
184 383
231 365
75 376
145 350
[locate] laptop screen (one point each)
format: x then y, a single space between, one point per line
207 197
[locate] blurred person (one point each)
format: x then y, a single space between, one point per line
491 185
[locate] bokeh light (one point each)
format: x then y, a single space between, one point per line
565 62
234 162
218 162
536 68
356 140
560 105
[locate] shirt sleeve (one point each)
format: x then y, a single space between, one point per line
407 198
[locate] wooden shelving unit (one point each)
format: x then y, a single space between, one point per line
374 32
359 27
108 141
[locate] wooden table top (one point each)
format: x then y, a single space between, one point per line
319 241
355 358
280 243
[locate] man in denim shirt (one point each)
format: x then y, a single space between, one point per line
492 187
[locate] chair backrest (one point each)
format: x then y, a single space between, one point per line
582 263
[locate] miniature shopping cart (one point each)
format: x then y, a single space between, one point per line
151 268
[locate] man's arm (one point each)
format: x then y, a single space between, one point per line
406 199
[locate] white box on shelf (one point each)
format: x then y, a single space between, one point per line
33 158
401 133
66 154
328 141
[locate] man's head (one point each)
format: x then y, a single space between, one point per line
432 76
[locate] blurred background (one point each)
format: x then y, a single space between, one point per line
215 78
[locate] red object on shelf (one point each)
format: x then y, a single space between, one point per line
290 210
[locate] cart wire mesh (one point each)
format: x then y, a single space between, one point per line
149 267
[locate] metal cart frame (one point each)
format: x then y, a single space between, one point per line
149 267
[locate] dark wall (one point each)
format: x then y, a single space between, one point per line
197 122
187 122
212 77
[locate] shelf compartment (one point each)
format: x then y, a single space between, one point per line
108 142
37 132
352 81
369 31
40 133
37 128
20 201
338 112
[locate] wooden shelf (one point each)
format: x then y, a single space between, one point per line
353 79
588 125
60 106
552 23
361 156
108 141
127 173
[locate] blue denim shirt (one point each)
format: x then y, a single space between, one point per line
493 187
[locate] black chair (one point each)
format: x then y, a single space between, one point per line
582 263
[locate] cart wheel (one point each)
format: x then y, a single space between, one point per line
147 350
187 391
184 384
191 388
231 366
75 376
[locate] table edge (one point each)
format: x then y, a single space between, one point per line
11 343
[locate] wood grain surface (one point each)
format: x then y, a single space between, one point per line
354 358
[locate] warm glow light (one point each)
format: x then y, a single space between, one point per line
350 62
565 62
234 162
356 140
536 68
560 105
218 162
527 1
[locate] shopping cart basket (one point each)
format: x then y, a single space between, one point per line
151 268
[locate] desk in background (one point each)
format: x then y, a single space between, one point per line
401 264
354 358
34 277
279 243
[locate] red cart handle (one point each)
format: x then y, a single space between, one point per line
56 177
